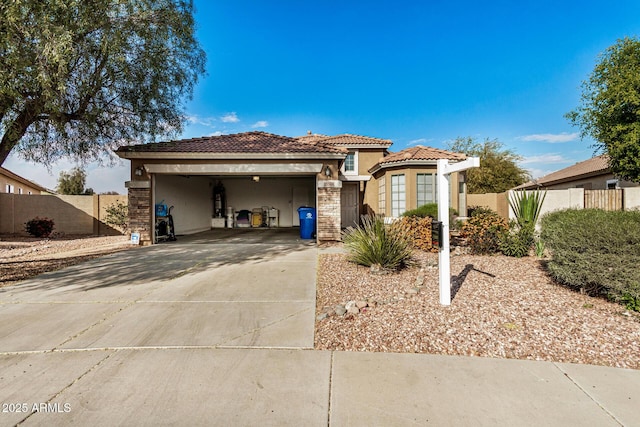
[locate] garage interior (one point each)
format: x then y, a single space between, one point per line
204 202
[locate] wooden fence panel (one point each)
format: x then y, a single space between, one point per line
608 200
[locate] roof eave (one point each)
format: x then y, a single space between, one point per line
226 156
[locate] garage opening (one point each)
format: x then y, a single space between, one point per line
206 202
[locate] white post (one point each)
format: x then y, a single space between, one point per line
444 270
444 257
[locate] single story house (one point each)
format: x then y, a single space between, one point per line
14 183
342 177
591 174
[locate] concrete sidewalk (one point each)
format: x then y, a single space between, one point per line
221 333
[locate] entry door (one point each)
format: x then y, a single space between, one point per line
349 204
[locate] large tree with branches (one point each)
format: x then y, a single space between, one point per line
610 107
80 76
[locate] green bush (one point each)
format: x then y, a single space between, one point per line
595 250
117 215
430 210
483 232
374 243
517 241
477 210
39 227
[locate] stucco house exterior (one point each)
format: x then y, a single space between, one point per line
15 184
591 174
342 177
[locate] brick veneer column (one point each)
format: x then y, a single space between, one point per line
140 211
329 213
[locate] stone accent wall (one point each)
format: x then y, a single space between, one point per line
328 214
140 213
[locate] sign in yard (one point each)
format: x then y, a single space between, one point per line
444 257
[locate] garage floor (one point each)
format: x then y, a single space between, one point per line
289 235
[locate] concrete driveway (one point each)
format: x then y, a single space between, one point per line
219 331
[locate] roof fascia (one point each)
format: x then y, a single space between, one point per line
227 156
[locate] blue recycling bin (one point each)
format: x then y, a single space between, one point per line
307 222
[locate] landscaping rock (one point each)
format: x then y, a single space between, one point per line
361 304
353 310
322 316
340 310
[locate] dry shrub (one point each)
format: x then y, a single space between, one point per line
483 232
420 231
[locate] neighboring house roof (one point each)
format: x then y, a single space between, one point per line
18 178
416 155
347 140
595 166
239 144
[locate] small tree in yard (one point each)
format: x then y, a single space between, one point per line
117 216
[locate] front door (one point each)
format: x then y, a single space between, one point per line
349 204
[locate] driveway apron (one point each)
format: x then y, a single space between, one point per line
251 292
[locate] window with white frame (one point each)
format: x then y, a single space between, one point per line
382 196
398 195
426 188
19 190
9 188
350 165
612 184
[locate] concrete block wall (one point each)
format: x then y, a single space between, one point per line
71 214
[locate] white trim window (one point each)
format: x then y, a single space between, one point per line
612 184
398 195
426 188
350 165
382 196
9 188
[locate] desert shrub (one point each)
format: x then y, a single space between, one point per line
419 228
374 243
478 210
430 210
39 227
483 231
517 241
595 250
117 215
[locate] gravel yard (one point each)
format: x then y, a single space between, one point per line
502 307
25 257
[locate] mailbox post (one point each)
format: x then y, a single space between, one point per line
444 257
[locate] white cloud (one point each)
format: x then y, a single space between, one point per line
204 121
419 141
552 138
217 133
544 158
537 173
260 124
230 118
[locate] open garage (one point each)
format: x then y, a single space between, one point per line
253 179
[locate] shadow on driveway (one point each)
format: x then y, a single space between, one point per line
166 261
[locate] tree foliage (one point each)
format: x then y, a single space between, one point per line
73 182
610 108
498 171
79 76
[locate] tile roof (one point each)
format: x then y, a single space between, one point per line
418 153
593 166
248 142
345 140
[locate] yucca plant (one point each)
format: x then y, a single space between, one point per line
527 206
375 243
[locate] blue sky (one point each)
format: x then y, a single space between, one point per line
415 72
